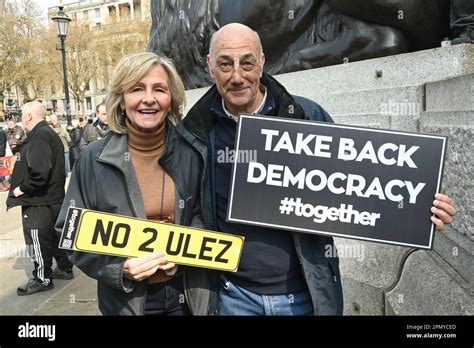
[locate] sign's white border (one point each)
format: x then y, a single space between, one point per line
243 117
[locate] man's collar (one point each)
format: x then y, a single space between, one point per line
266 106
39 125
101 125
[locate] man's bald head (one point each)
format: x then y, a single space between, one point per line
32 113
36 108
233 30
235 62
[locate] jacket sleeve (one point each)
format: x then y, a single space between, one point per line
39 156
89 134
75 137
81 194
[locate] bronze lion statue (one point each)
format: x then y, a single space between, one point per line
297 34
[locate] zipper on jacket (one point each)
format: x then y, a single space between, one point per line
178 188
206 165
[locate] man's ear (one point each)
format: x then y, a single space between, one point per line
262 64
208 61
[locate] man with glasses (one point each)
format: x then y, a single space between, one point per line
280 272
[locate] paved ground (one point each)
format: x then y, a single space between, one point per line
73 297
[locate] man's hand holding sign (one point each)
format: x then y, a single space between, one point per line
344 181
444 210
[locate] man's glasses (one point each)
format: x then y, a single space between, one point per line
227 66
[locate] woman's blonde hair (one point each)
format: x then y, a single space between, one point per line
129 71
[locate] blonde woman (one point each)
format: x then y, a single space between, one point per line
143 168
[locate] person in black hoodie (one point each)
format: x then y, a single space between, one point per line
38 187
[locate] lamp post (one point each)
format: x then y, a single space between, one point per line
62 25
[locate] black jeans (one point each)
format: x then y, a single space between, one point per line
166 298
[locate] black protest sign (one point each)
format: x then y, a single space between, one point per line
345 181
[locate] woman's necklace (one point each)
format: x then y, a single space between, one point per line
166 219
162 196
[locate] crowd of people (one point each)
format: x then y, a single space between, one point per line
171 175
74 138
11 141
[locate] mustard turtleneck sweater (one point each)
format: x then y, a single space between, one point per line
156 187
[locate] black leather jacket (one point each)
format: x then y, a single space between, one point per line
104 179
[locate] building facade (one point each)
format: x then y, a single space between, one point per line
97 14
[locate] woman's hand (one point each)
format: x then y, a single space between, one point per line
143 267
169 269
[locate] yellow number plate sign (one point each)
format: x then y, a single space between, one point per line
103 233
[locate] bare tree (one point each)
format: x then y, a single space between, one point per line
82 60
9 48
30 62
122 38
21 64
